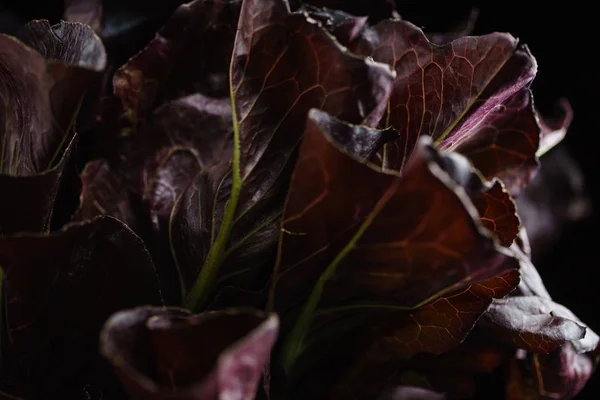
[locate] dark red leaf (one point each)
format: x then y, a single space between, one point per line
166 353
59 290
498 213
355 237
190 54
469 95
443 324
272 93
345 27
39 100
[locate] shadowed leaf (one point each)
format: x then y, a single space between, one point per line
166 353
58 296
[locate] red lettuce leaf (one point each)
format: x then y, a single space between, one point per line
469 95
331 249
345 27
191 53
265 75
533 323
166 353
59 295
39 100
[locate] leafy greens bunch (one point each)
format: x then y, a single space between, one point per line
273 200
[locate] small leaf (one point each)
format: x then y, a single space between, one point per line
166 353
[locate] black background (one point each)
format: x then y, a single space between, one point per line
563 39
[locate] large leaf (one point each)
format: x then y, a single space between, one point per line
39 99
271 94
167 353
355 237
469 95
61 287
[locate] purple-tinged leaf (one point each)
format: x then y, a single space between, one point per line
469 95
87 12
442 324
532 323
355 237
39 100
59 290
345 27
498 213
190 54
503 143
272 94
167 353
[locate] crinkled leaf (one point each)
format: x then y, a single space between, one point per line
166 353
191 53
444 323
470 94
498 213
272 94
61 287
87 12
75 60
345 27
532 323
40 98
356 237
496 209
